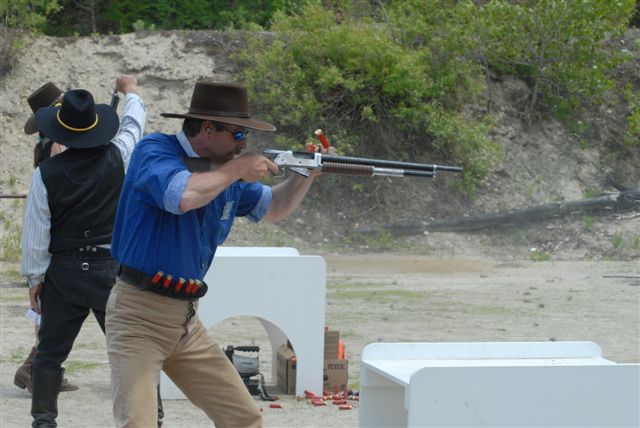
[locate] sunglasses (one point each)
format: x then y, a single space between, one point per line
239 134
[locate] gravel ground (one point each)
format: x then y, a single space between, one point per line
372 298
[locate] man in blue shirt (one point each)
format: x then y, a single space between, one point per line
168 226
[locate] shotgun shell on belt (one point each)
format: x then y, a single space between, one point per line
167 281
197 286
157 277
189 286
180 284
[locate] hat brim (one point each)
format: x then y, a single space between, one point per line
30 126
106 128
240 121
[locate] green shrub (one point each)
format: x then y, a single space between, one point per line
19 15
539 256
617 241
26 14
10 242
592 193
382 240
556 47
375 89
121 15
632 136
588 222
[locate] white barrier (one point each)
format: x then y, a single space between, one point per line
514 384
284 290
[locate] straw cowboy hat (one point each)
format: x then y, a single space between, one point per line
224 103
45 96
78 122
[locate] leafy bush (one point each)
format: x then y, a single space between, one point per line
632 137
556 47
539 255
26 14
18 15
617 241
10 45
195 14
10 242
373 89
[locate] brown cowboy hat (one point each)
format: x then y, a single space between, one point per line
78 122
224 103
45 96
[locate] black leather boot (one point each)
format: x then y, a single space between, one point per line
22 379
44 398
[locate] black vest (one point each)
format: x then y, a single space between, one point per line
83 188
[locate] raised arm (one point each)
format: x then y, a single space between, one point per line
133 119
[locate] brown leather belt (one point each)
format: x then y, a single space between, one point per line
177 288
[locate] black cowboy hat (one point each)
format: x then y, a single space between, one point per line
78 122
224 103
45 96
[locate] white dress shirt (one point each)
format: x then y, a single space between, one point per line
36 225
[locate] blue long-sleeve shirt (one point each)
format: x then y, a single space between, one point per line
151 234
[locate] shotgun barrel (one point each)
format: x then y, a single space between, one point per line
391 164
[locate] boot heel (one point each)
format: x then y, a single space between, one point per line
19 383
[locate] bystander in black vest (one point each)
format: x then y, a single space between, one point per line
83 188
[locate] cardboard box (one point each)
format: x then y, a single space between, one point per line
331 339
336 375
286 370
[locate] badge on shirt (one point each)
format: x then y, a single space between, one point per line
226 212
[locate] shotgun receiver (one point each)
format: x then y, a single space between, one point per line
302 162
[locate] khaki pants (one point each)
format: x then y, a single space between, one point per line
146 333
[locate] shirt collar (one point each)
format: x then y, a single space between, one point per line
186 146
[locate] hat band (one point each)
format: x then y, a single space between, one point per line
70 128
217 113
